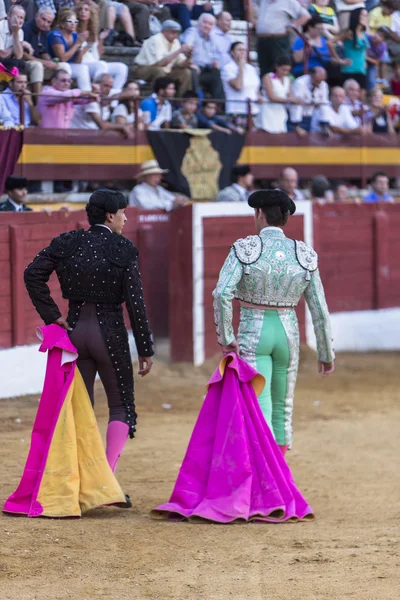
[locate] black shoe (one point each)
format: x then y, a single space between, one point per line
126 504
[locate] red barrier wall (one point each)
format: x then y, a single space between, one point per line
22 235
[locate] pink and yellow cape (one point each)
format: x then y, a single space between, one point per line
7 75
66 472
233 468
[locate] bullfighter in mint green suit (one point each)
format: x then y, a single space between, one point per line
269 273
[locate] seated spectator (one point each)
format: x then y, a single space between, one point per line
316 51
39 64
322 9
224 40
185 117
313 91
353 99
241 83
242 184
381 16
17 192
149 194
11 38
95 115
355 45
67 46
320 190
186 10
157 109
341 192
289 182
378 119
163 55
93 48
57 102
208 119
141 11
116 11
6 119
344 10
395 81
206 55
339 116
376 54
277 92
18 86
125 112
379 189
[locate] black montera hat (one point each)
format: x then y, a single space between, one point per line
15 183
265 198
108 200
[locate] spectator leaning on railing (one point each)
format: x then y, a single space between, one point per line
377 118
339 117
125 112
157 109
185 117
313 91
353 99
208 118
163 54
18 87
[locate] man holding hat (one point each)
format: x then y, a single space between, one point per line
242 184
269 273
16 188
149 194
162 54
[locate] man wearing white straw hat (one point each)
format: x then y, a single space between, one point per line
149 194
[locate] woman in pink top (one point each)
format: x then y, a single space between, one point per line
57 102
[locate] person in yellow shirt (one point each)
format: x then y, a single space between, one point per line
381 16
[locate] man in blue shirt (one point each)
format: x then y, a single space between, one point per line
5 117
11 98
379 189
157 110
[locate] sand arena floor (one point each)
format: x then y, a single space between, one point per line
345 460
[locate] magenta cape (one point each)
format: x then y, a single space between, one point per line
66 472
233 468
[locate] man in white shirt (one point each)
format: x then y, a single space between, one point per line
162 54
241 187
17 192
11 38
221 34
339 116
313 90
288 182
149 194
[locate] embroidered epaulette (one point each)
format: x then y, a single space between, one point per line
121 251
65 244
248 250
306 256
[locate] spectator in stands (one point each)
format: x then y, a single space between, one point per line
57 102
185 10
28 6
277 92
125 112
39 64
18 87
323 9
355 45
320 190
241 83
5 115
185 117
313 91
17 192
208 118
117 11
141 10
316 51
206 55
94 48
149 194
289 182
378 119
163 55
340 191
11 38
344 9
67 46
353 99
224 40
379 189
339 116
95 115
381 16
377 56
242 184
275 18
157 109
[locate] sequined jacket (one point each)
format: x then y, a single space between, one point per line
92 266
272 270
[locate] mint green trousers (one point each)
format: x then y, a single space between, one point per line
269 341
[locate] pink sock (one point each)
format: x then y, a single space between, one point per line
283 449
117 435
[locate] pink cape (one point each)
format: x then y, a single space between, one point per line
66 472
233 468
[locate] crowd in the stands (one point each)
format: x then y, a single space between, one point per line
330 67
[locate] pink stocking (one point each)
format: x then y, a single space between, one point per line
283 449
117 435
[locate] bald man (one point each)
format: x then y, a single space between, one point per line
313 90
288 182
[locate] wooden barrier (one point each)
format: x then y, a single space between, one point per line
22 235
